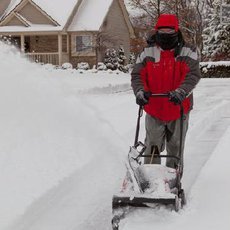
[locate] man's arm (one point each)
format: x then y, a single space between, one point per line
189 55
138 74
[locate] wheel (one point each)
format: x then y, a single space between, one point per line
177 204
115 223
182 197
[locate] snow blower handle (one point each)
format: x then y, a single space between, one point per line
159 95
140 113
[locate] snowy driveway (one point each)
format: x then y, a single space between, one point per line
82 201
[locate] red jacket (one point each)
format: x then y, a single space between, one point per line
159 71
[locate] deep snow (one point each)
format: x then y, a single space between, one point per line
64 137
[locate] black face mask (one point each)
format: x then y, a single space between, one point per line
167 41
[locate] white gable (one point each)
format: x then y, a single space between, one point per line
90 15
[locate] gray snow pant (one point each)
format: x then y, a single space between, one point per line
160 134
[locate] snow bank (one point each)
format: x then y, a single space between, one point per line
48 130
217 63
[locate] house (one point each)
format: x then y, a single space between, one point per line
58 31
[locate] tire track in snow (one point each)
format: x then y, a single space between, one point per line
78 202
202 139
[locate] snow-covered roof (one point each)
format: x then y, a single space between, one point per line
90 15
59 10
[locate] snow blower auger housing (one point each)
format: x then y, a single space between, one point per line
148 184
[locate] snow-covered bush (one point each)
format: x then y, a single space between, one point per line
116 60
216 36
121 60
67 66
132 59
49 66
111 59
101 66
83 66
215 69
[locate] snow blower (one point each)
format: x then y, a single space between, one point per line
147 184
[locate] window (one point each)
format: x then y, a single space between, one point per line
83 43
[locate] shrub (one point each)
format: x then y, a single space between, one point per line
215 69
83 66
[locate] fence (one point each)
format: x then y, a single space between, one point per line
51 58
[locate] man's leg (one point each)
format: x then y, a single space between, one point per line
173 140
155 138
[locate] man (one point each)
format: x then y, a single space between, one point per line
170 66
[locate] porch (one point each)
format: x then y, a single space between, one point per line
46 49
46 58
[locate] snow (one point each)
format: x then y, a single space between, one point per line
64 139
161 179
59 11
28 149
93 10
217 63
32 28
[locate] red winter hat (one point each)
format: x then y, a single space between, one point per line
167 20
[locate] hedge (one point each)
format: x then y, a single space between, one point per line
215 69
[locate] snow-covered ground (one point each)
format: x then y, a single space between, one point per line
64 138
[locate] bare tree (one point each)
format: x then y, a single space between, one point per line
190 14
151 8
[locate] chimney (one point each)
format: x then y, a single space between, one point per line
3 6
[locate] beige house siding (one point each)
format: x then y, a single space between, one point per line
65 58
47 44
116 27
34 15
64 43
44 44
15 22
4 4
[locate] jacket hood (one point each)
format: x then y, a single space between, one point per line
167 20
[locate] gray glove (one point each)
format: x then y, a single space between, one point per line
177 96
142 97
